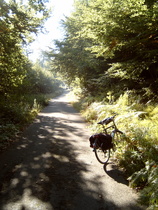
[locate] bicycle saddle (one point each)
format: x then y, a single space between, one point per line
106 121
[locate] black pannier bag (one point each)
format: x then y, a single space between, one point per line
104 141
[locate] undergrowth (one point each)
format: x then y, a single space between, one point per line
16 113
137 151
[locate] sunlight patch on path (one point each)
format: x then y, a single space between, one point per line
28 202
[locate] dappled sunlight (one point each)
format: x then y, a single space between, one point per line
14 182
33 204
54 164
43 156
47 155
61 158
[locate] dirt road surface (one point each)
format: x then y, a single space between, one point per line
52 167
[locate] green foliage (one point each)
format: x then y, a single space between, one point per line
6 133
18 21
19 79
147 176
39 80
21 104
137 149
17 112
74 63
111 42
18 109
21 83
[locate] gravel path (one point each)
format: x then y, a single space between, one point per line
52 167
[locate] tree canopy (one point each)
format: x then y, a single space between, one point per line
19 19
111 43
24 85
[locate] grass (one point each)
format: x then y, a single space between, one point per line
137 151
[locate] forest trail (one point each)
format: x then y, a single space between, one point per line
52 167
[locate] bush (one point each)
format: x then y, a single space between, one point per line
139 145
16 113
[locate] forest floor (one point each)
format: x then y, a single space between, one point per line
52 167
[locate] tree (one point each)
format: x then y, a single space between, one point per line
18 21
122 34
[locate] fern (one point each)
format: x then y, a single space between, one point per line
139 145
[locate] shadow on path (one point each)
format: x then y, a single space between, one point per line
115 173
50 168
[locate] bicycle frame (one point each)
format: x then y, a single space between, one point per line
112 126
104 155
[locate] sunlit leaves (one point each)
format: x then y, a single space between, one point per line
121 36
19 19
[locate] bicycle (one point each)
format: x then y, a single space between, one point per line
103 153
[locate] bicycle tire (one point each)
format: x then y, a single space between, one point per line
102 156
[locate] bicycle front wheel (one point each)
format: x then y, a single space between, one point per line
102 156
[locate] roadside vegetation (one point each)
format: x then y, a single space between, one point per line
137 149
19 110
109 58
25 87
20 106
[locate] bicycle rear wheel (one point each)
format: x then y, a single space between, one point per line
102 156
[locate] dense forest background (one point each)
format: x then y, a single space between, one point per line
108 57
